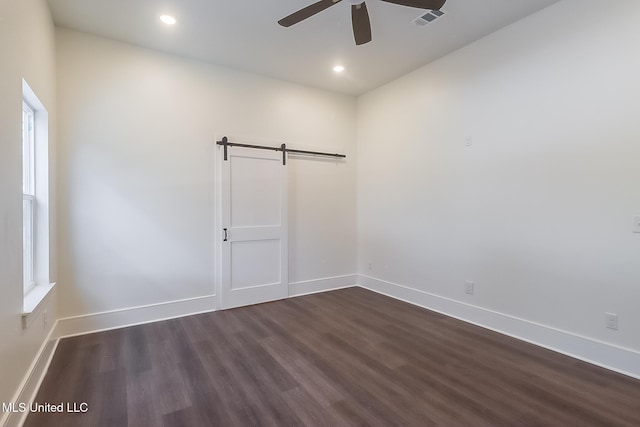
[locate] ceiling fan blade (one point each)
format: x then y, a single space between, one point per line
420 4
361 24
306 12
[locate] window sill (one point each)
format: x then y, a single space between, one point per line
33 301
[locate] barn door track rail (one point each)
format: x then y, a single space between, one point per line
225 144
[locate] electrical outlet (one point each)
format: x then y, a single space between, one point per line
611 321
370 265
45 317
468 142
468 287
636 224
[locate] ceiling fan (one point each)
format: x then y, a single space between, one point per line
359 15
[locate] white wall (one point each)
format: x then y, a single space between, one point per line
137 146
26 51
538 211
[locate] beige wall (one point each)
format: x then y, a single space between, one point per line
27 51
138 177
538 210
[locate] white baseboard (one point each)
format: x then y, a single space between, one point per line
606 355
89 323
307 287
79 325
31 383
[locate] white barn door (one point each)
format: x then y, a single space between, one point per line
254 255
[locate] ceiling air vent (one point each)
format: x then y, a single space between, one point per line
428 17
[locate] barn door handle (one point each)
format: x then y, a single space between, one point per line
225 235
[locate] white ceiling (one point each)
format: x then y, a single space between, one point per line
245 35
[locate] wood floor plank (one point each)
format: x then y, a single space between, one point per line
343 358
308 375
311 415
232 396
135 350
142 407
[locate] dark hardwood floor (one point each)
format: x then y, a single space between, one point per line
343 358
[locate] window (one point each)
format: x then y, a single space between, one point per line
28 197
35 204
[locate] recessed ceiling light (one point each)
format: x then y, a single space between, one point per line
338 68
167 19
